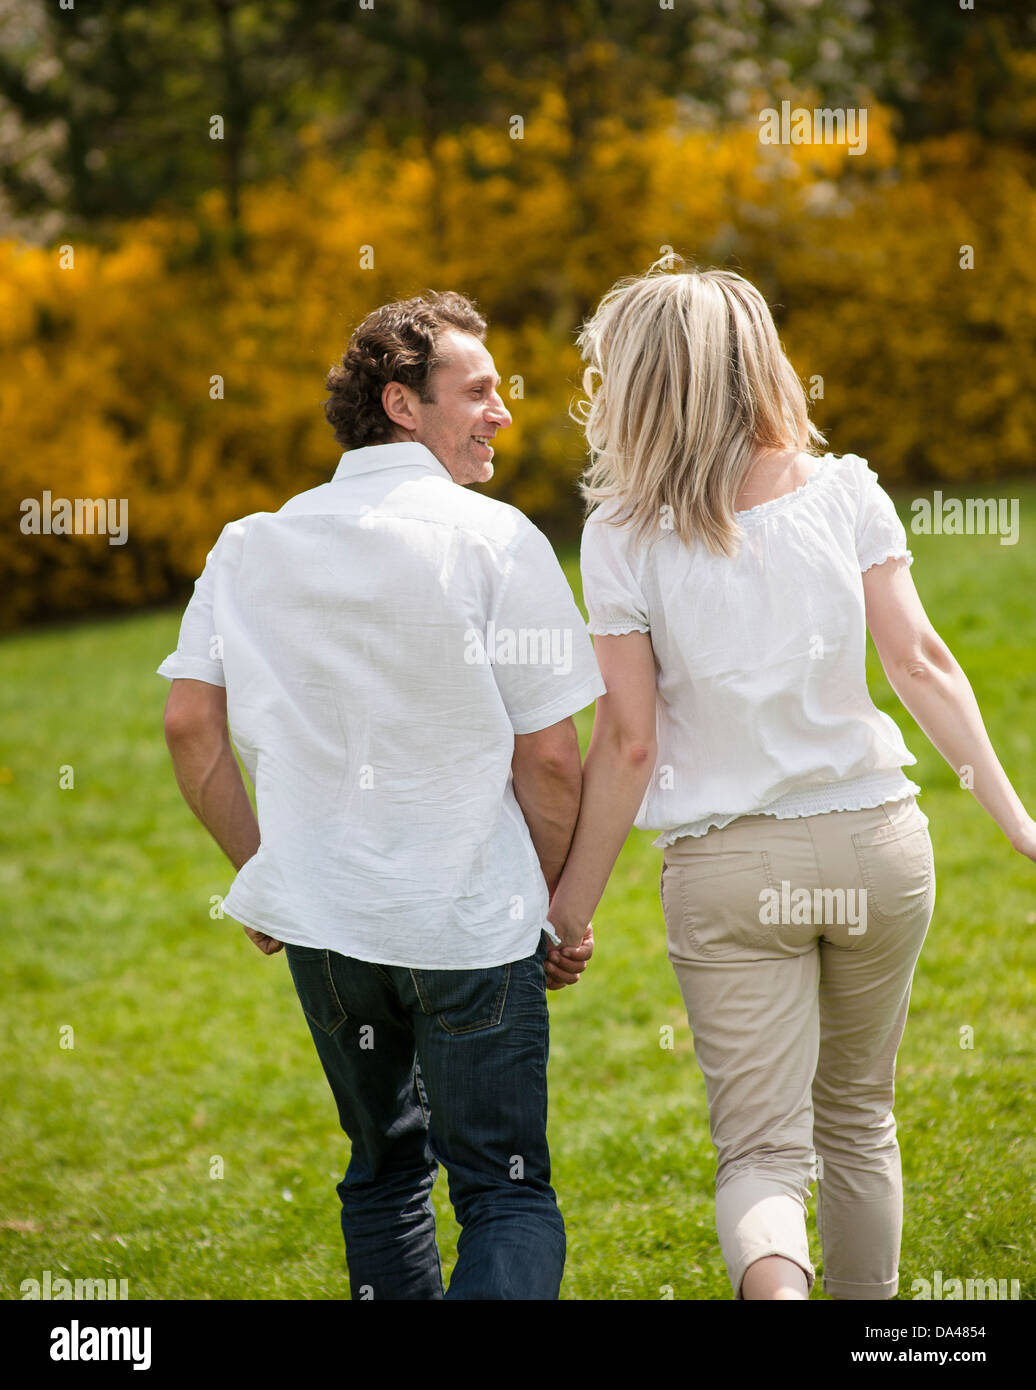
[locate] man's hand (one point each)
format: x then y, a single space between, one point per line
266 944
565 964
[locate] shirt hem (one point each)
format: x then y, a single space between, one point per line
189 668
256 923
822 802
891 552
562 708
615 629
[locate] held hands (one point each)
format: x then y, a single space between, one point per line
565 963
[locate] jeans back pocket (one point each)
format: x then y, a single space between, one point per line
311 972
463 1001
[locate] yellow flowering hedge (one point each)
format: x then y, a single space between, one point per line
161 371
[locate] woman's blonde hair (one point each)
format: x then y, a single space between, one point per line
685 383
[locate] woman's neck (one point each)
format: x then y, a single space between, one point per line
774 473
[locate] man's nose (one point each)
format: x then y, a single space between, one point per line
499 413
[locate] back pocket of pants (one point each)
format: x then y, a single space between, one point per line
713 903
896 867
463 1001
311 971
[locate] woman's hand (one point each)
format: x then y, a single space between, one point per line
1025 841
570 929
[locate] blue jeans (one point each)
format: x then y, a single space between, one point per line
429 1067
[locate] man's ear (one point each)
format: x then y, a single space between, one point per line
397 401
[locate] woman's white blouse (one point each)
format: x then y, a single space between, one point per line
762 702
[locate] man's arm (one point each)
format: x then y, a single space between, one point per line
206 769
547 782
209 777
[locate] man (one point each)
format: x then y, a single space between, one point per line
398 660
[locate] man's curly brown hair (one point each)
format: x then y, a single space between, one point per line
398 342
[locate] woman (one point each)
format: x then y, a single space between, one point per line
730 573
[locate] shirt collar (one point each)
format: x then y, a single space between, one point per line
375 457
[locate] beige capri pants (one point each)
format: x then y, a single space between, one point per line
794 944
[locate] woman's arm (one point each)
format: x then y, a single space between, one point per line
924 674
618 767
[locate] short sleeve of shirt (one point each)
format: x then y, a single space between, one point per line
542 657
880 534
197 656
614 600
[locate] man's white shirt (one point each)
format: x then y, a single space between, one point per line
382 638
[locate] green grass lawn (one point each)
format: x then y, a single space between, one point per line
191 1054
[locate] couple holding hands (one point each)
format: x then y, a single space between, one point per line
430 852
